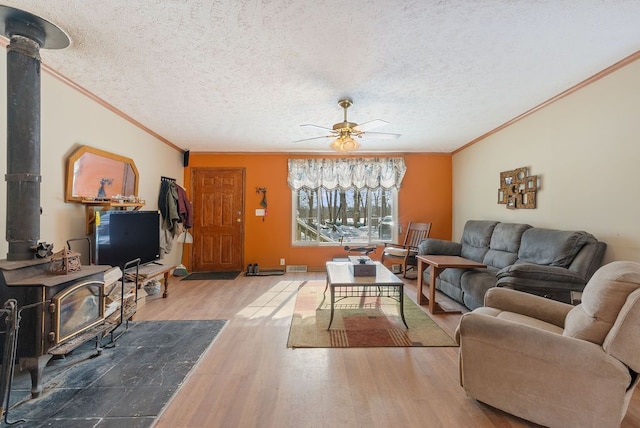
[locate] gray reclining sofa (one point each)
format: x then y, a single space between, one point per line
546 262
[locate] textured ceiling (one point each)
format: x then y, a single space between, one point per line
243 75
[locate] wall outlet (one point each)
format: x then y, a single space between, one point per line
281 262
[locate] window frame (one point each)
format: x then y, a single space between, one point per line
318 243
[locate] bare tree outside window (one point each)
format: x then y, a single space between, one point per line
350 215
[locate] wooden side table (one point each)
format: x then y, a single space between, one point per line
153 271
438 264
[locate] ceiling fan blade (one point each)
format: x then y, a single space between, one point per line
314 138
316 126
380 135
370 125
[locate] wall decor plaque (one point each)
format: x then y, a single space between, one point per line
518 189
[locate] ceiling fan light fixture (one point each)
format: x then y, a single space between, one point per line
344 144
346 132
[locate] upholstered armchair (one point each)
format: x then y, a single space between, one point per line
553 363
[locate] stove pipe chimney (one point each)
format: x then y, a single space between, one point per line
27 34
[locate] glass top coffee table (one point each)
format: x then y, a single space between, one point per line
343 284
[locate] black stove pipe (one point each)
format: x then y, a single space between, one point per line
23 147
27 33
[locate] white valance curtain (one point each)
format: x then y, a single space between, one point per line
344 173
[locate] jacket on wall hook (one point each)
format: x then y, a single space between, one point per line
263 202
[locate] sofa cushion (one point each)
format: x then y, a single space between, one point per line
452 290
602 299
518 318
395 251
474 284
504 244
452 275
552 247
476 238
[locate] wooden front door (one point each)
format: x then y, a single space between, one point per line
218 219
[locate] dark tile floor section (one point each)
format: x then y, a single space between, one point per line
127 385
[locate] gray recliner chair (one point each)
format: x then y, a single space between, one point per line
553 363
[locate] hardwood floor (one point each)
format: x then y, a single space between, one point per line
249 378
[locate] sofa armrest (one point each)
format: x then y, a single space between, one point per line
541 273
439 246
527 304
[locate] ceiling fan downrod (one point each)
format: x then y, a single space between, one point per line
345 124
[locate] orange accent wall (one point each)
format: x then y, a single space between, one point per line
426 195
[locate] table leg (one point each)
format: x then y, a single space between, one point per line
166 285
333 293
434 307
432 288
401 287
421 297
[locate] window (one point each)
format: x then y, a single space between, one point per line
338 201
343 216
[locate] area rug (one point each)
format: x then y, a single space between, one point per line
211 275
127 385
359 322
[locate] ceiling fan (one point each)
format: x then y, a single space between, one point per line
345 131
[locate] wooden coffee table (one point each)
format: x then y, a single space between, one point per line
438 264
343 284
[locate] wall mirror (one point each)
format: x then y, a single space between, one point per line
96 175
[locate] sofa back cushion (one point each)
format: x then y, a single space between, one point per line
602 299
504 244
476 237
551 247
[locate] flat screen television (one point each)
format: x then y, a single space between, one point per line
122 236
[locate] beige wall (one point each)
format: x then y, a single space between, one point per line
70 119
586 149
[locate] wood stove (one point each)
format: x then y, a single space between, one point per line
59 312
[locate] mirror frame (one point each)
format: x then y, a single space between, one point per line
69 197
